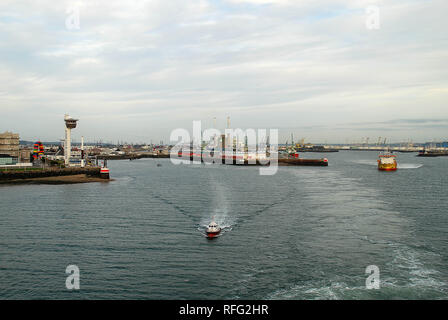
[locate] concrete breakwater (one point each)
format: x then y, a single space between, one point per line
13 175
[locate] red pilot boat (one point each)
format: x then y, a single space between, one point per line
213 230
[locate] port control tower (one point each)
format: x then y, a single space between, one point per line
70 124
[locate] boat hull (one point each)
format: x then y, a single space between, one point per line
241 161
213 234
387 167
432 154
303 162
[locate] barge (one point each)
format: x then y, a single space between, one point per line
428 153
252 159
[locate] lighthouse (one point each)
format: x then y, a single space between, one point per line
70 124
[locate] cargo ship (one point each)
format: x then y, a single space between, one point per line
387 162
432 153
293 159
253 159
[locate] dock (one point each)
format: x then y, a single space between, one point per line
51 176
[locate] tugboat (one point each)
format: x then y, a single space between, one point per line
213 230
387 162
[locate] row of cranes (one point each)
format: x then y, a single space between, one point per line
383 142
364 141
300 144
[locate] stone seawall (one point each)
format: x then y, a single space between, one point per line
56 172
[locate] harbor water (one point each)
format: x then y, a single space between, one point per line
304 233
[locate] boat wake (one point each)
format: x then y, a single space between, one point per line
366 162
220 213
409 278
173 204
400 165
409 165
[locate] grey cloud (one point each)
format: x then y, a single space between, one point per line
151 66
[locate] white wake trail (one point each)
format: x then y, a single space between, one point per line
220 208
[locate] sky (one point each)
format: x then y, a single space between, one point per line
133 71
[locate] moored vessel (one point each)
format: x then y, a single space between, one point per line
432 153
293 159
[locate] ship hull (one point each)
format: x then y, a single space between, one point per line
211 235
239 161
303 162
387 167
433 154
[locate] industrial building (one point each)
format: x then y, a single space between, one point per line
9 148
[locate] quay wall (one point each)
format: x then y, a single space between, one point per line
50 172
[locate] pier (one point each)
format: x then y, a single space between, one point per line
51 175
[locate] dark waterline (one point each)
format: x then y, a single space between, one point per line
305 233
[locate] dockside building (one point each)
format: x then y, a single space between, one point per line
9 148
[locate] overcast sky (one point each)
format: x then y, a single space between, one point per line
136 70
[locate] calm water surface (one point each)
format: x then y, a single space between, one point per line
305 233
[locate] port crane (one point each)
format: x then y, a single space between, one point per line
379 141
